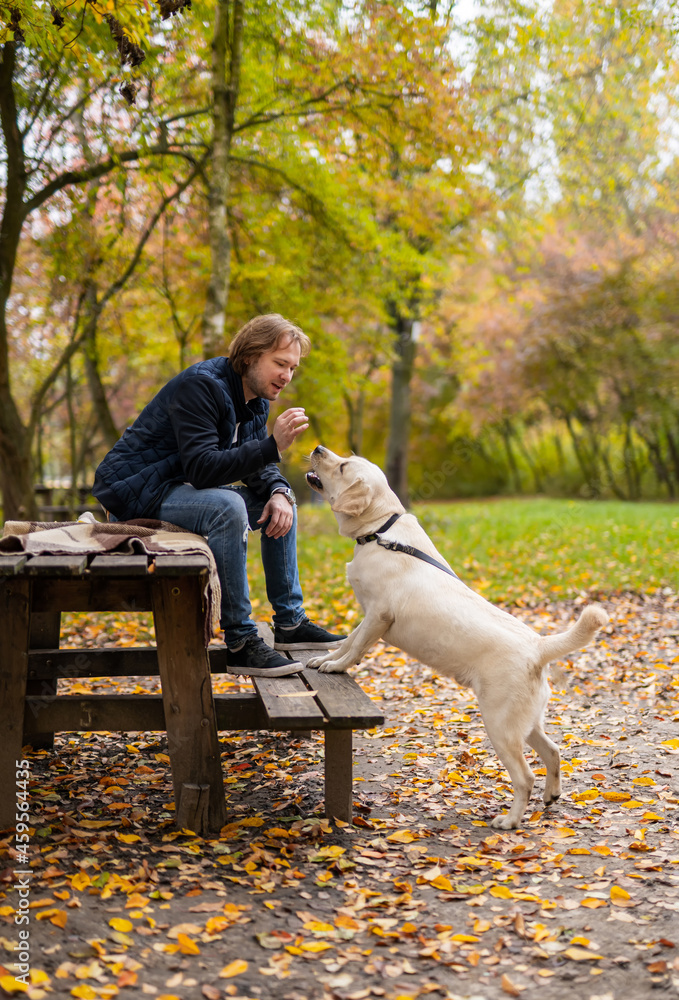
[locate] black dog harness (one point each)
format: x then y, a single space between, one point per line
409 550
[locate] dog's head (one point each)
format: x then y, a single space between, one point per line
356 489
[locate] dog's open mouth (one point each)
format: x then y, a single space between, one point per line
314 481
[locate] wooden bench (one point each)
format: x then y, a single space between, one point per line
34 590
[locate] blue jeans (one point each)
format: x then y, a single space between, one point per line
224 515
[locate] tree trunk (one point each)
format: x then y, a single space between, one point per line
16 465
355 409
105 422
399 418
227 48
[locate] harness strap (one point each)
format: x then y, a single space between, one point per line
409 550
418 553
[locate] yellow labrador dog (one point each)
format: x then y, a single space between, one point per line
427 612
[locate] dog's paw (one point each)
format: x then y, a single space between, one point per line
332 667
503 823
315 662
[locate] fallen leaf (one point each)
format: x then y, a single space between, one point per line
235 968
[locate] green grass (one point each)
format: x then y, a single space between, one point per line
511 551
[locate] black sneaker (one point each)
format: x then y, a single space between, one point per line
256 659
306 635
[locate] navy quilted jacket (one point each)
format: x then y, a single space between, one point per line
185 435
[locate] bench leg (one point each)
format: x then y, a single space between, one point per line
190 718
44 634
338 774
15 613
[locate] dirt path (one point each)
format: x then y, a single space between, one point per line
419 896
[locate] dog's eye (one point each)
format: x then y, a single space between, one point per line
342 468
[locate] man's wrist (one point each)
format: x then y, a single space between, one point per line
287 493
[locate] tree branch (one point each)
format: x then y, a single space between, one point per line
113 289
97 170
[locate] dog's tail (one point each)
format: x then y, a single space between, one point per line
555 647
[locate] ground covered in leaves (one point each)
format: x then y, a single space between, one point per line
418 896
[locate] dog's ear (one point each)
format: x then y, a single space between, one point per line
354 500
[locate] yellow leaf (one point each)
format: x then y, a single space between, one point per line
318 927
501 892
632 804
56 917
120 924
591 903
589 795
617 892
402 837
10 985
315 946
581 955
6 910
651 815
615 796
83 992
674 744
235 968
565 831
187 945
602 849
128 838
251 821
441 882
215 925
465 938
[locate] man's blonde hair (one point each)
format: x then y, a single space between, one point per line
262 334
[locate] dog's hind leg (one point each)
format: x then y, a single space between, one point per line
508 746
549 752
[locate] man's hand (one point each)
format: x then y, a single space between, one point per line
280 515
288 426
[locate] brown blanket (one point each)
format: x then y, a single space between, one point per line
94 537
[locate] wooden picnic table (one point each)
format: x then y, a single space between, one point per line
34 590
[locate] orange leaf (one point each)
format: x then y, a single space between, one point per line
509 987
187 945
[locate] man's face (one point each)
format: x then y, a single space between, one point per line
271 372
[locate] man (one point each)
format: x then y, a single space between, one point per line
199 456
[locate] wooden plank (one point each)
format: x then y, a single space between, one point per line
92 594
122 713
106 713
343 701
45 629
130 661
181 565
187 690
12 563
288 703
338 774
239 711
119 564
15 606
56 566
